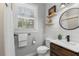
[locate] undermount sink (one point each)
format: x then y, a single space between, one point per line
69 43
73 43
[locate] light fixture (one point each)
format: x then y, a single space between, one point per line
62 5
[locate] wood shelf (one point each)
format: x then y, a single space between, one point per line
53 14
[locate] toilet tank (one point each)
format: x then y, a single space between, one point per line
47 42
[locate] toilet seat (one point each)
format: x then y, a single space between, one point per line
42 49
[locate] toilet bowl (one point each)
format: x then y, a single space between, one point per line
42 50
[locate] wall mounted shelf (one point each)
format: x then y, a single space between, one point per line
53 14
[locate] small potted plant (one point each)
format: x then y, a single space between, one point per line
59 36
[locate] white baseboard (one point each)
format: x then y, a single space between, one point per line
31 54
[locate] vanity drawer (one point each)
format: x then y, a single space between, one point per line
60 51
52 54
55 53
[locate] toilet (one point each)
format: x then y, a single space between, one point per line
42 50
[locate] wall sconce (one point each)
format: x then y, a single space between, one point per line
62 5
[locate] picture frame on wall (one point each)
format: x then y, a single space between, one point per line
52 11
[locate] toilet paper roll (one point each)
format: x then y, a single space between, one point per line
34 41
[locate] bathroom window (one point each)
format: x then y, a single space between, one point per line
26 16
25 23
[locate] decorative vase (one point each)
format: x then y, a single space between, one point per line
59 36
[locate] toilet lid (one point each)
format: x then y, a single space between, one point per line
42 48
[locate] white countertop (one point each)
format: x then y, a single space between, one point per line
74 46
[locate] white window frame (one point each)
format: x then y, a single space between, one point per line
30 6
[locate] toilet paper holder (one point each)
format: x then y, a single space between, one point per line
33 41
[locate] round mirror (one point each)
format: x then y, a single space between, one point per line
69 20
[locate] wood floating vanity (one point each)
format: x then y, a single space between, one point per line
57 50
